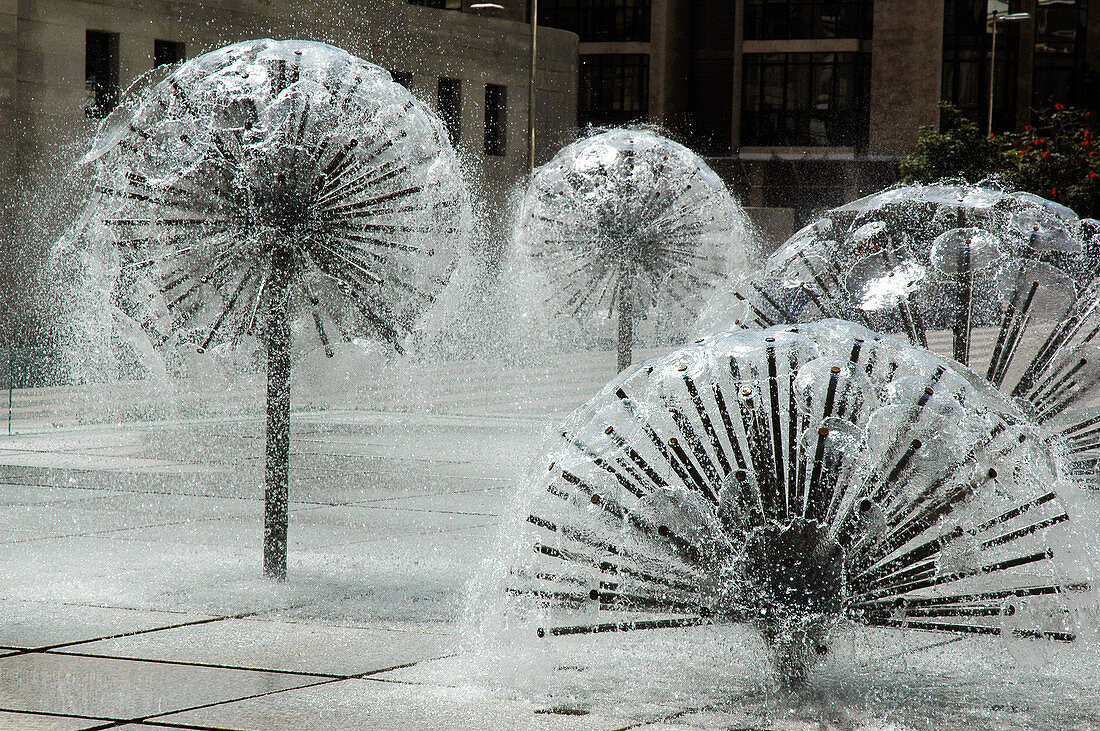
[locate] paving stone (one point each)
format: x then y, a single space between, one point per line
365 705
35 722
123 689
278 645
29 624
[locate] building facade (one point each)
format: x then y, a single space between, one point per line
64 64
808 103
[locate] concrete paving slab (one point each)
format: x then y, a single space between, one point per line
375 520
364 704
480 500
30 624
102 570
210 532
279 645
105 512
38 722
124 689
13 493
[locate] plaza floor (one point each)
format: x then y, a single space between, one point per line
129 553
130 587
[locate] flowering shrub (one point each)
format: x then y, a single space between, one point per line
1055 158
957 149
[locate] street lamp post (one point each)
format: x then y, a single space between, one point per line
995 19
531 85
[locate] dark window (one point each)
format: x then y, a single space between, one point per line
708 126
402 77
598 20
614 88
780 20
450 107
167 52
429 3
100 72
1061 68
803 99
496 119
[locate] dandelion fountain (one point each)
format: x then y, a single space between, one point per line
794 478
1005 283
823 481
626 220
271 193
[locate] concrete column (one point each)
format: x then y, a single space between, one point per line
674 56
906 70
658 44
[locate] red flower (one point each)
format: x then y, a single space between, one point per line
1027 126
1059 106
1054 191
1092 175
1046 153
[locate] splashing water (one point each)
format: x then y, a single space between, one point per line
626 221
802 481
263 193
1006 283
264 175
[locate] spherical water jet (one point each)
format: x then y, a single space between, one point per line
626 220
271 192
1006 283
800 480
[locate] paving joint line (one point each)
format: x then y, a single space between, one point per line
191 663
252 614
50 648
54 714
328 681
308 506
123 491
94 605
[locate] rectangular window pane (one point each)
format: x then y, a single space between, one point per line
598 20
496 103
614 89
450 107
806 99
783 19
168 52
100 72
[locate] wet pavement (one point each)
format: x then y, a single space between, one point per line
131 594
130 553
